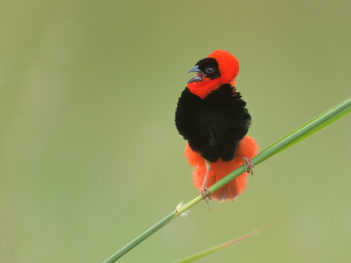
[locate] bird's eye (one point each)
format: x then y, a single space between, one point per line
209 70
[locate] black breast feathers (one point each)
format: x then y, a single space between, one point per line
214 125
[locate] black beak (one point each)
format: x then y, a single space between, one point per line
194 69
196 78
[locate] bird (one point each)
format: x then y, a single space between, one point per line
212 117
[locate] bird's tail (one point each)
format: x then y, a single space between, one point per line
247 148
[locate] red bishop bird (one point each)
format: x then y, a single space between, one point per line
212 116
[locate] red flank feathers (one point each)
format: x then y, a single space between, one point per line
247 148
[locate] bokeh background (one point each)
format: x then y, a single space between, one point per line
89 153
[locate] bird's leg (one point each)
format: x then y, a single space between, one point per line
248 164
204 190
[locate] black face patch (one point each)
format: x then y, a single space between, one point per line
209 67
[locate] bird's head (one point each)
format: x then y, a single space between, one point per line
219 68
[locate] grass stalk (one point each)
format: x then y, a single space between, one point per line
214 249
295 136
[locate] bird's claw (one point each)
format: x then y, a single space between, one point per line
206 195
248 165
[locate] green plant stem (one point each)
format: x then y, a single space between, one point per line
211 250
297 135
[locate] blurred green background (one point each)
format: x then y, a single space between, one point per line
89 153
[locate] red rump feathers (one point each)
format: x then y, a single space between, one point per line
247 148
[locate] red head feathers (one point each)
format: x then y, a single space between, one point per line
219 68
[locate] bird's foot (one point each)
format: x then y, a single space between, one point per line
206 194
248 164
